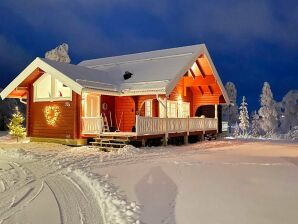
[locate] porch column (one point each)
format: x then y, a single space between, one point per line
215 115
166 111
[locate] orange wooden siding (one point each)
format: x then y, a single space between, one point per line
107 108
125 112
68 124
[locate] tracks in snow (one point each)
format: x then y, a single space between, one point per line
23 182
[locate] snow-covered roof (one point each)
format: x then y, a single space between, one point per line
154 72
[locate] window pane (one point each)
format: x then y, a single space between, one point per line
92 106
172 109
161 110
61 91
43 88
148 108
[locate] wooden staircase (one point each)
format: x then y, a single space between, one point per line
108 143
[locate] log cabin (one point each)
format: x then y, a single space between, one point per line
158 94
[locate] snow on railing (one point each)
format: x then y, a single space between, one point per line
156 125
91 125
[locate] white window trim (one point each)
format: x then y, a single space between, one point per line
151 109
52 98
180 110
178 104
86 106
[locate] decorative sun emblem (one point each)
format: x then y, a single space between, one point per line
51 114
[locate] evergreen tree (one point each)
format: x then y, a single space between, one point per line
268 112
243 117
255 124
230 111
289 111
15 125
236 130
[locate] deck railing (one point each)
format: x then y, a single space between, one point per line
156 125
91 125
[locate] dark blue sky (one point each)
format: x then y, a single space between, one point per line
250 41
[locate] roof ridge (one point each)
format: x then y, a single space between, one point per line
136 54
140 60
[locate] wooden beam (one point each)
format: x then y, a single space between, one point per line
199 80
201 90
192 73
200 68
210 89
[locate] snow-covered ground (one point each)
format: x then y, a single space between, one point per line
229 181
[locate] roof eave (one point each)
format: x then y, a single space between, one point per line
38 63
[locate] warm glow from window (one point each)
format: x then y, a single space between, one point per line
184 109
43 88
175 109
148 108
47 88
92 105
61 90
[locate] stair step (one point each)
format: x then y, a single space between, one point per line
110 140
107 143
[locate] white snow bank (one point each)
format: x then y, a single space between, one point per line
114 209
16 153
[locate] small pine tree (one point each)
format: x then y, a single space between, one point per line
255 124
268 112
15 125
243 117
236 130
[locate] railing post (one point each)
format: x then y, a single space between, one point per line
188 120
166 132
137 125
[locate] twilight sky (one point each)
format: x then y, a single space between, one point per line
250 41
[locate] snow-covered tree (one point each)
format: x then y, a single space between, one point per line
59 53
293 134
6 108
230 112
15 125
243 117
236 131
288 110
255 124
268 112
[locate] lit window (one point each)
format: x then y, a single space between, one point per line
61 91
92 105
175 109
184 109
162 112
148 108
172 109
47 88
43 87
